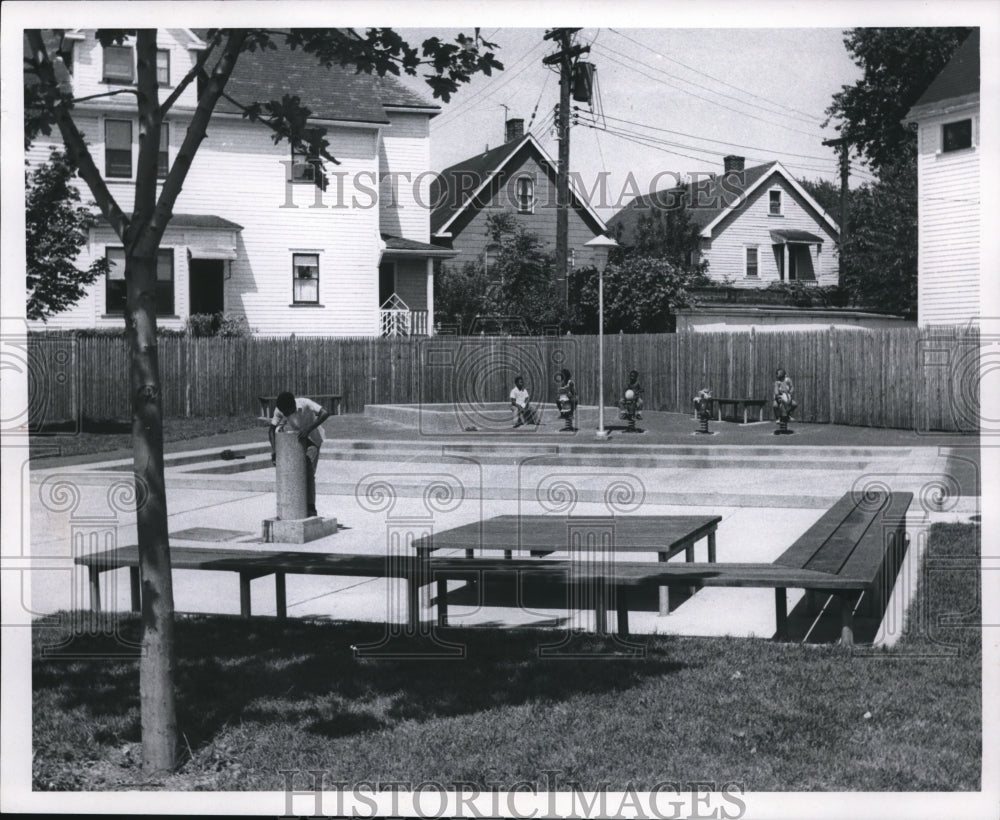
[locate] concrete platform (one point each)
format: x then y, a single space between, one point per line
378 484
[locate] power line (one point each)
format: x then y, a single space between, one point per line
721 142
709 76
808 121
712 102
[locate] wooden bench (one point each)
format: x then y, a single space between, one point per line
331 401
854 549
730 409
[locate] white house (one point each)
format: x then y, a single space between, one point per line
253 232
756 225
948 175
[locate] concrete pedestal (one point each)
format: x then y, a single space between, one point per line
291 525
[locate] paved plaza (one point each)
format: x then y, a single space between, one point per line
377 473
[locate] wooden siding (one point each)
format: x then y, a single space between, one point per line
404 150
948 217
751 226
471 242
909 379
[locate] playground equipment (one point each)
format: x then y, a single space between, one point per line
629 406
703 409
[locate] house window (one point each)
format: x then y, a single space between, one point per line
162 66
307 170
956 135
118 148
305 278
751 267
525 195
774 205
115 293
118 63
163 157
490 255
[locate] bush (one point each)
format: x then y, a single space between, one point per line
218 324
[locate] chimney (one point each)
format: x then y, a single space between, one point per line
515 130
732 163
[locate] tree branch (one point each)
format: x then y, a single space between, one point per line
196 132
296 144
148 105
76 146
198 68
106 94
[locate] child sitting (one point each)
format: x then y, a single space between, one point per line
784 404
520 403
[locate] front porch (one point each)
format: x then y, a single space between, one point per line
406 286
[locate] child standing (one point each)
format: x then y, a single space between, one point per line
306 416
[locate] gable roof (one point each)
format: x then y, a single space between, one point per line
956 84
711 200
457 187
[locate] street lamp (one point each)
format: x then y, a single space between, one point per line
606 242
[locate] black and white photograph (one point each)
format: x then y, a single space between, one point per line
500 409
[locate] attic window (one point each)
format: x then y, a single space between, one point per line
774 204
525 195
118 62
307 169
956 135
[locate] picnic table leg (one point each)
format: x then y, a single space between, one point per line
279 595
136 587
413 602
95 589
442 601
711 547
621 603
245 578
689 558
847 620
600 610
781 614
664 592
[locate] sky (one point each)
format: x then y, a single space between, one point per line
668 101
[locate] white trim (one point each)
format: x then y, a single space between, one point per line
946 121
706 232
510 154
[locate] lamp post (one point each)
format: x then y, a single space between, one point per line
607 243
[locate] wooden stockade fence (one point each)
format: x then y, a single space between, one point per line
926 379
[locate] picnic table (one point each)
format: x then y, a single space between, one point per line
541 535
331 401
730 409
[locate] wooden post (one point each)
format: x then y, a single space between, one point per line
781 614
245 578
281 606
664 591
847 620
621 604
442 601
133 575
95 588
711 547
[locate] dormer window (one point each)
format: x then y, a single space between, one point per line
119 63
525 195
774 203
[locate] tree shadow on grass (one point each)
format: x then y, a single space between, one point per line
307 673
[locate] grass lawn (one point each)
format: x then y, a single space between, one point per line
106 436
259 696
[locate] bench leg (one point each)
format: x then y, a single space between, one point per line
245 594
442 601
136 587
413 602
281 605
847 620
711 547
781 614
601 610
621 604
95 589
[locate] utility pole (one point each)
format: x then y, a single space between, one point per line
845 170
565 58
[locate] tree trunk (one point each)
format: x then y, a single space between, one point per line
156 666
